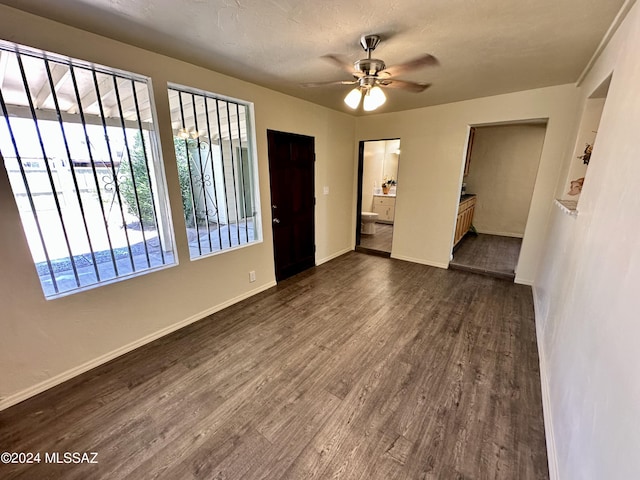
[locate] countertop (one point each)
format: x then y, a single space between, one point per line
466 196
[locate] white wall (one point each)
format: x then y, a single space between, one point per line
503 169
587 289
433 143
44 342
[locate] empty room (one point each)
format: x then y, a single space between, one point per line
204 274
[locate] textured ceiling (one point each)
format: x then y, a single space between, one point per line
485 47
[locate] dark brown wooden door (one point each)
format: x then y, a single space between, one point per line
291 173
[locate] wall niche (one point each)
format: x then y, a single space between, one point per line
586 142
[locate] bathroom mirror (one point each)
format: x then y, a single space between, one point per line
390 159
380 164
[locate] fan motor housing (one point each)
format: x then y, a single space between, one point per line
369 66
369 81
370 42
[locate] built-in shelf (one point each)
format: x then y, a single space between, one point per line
570 207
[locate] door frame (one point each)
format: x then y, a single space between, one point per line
271 202
357 246
471 131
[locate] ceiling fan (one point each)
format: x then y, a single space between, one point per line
370 75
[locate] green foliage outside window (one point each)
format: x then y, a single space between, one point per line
136 191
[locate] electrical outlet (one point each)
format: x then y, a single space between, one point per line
252 276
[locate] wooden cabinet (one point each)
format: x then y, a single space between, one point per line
385 207
465 217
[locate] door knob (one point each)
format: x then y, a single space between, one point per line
274 206
276 220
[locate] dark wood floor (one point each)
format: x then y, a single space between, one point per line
381 240
362 368
492 255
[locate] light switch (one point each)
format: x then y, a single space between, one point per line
325 190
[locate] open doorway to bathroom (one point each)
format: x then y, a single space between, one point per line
377 193
498 182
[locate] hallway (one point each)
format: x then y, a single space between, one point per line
491 255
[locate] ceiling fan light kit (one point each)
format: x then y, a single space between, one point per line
353 98
373 99
370 74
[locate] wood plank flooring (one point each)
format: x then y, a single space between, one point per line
362 368
381 240
491 255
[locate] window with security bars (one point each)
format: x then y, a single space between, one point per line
79 145
216 164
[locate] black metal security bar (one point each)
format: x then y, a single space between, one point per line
191 176
23 174
212 135
94 171
224 177
90 189
203 176
241 168
72 167
114 183
45 158
127 150
147 163
215 188
233 171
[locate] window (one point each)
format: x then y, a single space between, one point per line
216 164
80 149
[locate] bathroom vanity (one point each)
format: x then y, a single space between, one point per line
385 207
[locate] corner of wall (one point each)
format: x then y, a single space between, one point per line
332 256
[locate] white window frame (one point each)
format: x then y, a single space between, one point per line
75 126
205 248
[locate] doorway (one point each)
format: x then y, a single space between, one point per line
497 187
291 175
377 192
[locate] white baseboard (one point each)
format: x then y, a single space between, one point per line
75 371
552 457
420 261
332 256
502 234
